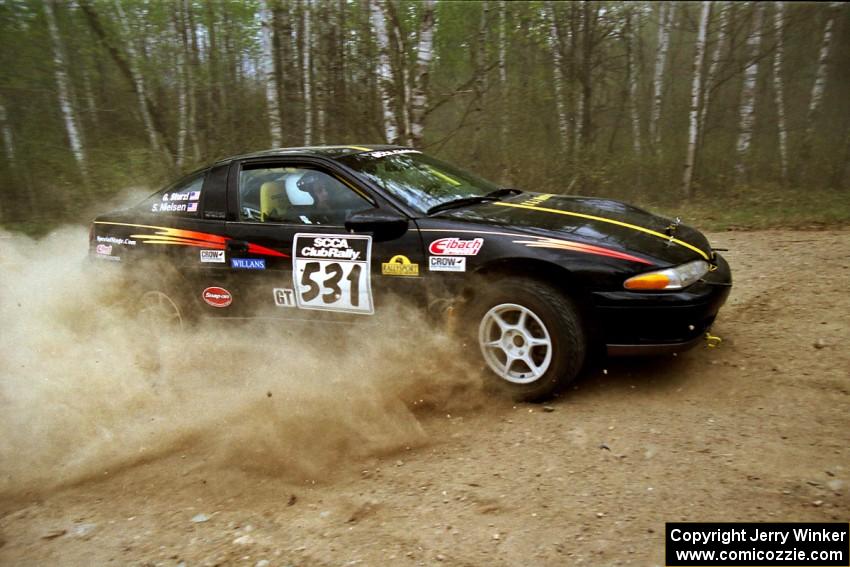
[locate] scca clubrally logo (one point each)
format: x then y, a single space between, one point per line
399 266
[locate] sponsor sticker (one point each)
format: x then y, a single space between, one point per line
284 297
105 249
212 256
385 153
331 272
217 297
456 247
248 263
447 264
399 266
114 240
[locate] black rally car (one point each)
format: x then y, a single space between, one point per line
330 233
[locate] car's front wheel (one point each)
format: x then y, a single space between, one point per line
530 336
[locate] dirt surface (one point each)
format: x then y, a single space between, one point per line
757 429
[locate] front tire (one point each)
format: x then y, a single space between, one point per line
530 336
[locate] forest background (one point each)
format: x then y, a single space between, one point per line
730 114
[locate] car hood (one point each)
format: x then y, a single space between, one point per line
603 222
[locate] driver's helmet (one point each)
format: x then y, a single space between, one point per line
314 183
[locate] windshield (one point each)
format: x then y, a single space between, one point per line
420 181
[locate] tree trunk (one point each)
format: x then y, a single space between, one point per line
696 91
192 63
747 112
722 32
574 94
779 90
503 75
272 108
589 20
151 120
182 114
424 55
558 78
633 23
384 74
8 137
307 73
64 91
817 94
665 22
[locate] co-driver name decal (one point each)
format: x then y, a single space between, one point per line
331 272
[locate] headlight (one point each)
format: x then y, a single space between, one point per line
677 277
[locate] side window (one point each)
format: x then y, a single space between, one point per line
181 199
295 195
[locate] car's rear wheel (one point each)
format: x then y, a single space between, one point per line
159 310
530 336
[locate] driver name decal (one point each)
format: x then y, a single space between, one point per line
456 247
331 272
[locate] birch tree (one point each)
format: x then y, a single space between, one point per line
779 89
424 55
384 74
557 78
272 108
696 91
747 109
818 89
633 32
182 114
63 89
8 137
665 19
307 73
129 66
719 43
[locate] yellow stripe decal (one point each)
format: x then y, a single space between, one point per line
610 221
361 148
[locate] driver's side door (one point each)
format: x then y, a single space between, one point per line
324 271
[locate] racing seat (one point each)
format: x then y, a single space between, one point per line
273 201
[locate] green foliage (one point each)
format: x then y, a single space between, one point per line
508 132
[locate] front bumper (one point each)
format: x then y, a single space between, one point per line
633 323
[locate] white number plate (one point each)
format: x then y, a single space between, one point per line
331 272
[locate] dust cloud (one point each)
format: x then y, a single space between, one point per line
87 389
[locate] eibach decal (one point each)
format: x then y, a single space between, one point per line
456 247
181 237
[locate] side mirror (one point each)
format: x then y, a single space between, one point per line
383 224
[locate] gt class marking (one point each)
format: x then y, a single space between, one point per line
217 296
332 273
284 297
399 266
456 247
609 221
180 237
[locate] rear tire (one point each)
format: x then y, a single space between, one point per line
530 336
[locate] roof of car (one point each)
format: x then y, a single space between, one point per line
322 151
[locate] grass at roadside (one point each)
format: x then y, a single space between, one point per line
749 208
